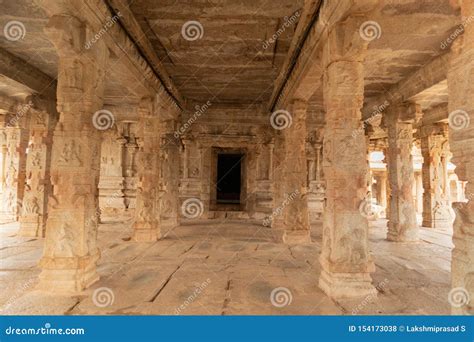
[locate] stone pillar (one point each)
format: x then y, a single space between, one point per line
276 218
70 251
402 225
461 141
38 184
345 258
295 184
147 212
16 137
419 193
129 166
169 163
436 156
111 182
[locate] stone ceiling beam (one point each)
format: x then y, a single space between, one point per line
426 77
22 72
133 28
302 74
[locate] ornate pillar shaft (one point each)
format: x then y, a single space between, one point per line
295 202
169 163
38 185
147 212
345 258
16 142
70 249
402 225
277 221
436 156
461 141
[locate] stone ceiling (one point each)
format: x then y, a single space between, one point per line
229 63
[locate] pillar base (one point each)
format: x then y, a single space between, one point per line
443 224
296 237
406 235
68 275
146 234
346 285
31 227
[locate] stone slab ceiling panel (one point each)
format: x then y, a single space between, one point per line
220 50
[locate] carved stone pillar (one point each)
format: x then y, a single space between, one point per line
112 182
16 138
38 184
461 141
129 166
277 221
169 164
295 173
345 258
70 250
436 156
147 212
402 225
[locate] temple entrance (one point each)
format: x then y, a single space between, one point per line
228 179
228 184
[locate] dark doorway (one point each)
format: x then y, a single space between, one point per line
229 178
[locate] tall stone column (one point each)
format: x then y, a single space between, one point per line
278 162
402 225
461 141
147 212
129 166
111 182
16 137
70 251
295 173
436 156
169 163
38 184
345 258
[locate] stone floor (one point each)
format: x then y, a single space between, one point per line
228 268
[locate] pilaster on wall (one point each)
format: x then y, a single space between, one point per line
461 140
70 249
402 225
